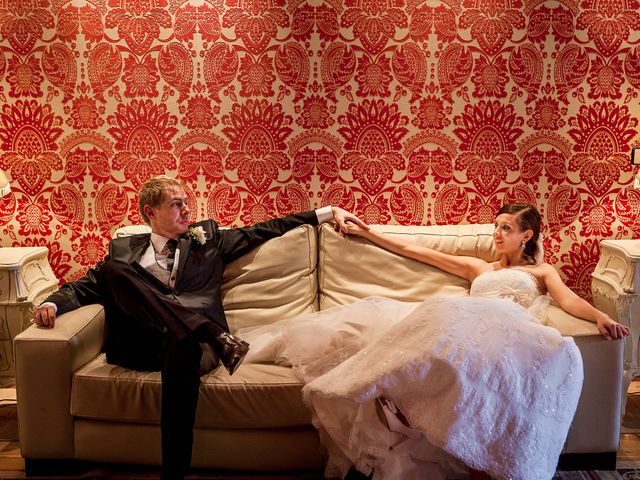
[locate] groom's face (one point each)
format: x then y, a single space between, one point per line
171 218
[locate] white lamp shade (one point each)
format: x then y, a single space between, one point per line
5 188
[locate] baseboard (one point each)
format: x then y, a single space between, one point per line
65 467
587 461
38 467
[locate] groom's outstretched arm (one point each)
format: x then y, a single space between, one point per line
234 243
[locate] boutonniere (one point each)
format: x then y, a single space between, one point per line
198 234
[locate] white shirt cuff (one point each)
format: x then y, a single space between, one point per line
50 304
324 214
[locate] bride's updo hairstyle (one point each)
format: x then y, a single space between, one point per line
528 218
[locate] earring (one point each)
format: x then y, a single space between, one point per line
523 244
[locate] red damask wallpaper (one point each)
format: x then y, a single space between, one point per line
405 111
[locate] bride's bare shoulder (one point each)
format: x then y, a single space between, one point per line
543 272
543 268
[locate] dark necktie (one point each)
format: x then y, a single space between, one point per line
170 247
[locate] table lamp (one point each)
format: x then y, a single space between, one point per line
5 188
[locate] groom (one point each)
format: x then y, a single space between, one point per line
161 295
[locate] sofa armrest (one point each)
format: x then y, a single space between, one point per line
45 361
569 325
596 424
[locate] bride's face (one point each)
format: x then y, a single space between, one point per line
507 236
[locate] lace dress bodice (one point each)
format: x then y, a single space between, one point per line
512 284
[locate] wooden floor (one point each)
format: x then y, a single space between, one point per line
630 436
12 463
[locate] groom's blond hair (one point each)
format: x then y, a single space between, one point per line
153 190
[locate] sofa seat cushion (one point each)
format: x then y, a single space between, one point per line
256 396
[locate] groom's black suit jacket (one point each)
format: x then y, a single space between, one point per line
199 273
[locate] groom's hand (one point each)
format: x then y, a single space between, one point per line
45 315
341 219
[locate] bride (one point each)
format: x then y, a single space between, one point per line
456 383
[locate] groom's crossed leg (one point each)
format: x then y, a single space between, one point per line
149 329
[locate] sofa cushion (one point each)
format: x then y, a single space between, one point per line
352 268
128 230
256 396
277 280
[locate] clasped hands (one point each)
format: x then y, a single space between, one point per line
344 221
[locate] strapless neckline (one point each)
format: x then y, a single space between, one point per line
515 284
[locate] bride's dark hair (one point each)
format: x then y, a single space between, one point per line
528 218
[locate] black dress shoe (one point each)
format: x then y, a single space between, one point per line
231 351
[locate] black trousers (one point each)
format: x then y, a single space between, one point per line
148 329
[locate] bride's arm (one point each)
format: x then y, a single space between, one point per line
462 266
573 304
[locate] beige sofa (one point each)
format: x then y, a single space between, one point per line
73 405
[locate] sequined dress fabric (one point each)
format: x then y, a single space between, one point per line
481 381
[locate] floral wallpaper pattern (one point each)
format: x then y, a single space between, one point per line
404 111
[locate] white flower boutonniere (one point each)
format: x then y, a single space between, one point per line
198 234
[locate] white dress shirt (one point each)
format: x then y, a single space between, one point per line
155 256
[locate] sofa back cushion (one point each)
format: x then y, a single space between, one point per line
274 281
351 267
277 280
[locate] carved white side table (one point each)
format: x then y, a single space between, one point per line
26 279
616 291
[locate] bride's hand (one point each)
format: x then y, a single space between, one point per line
354 229
611 330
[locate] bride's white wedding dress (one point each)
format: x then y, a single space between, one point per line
479 380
